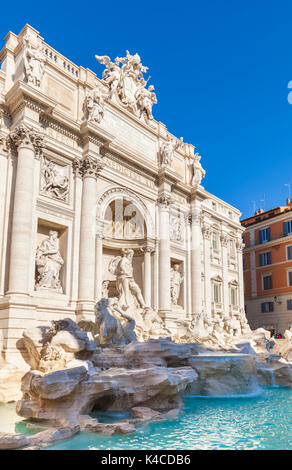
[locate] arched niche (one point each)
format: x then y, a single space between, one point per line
124 215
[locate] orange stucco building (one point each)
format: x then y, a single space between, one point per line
267 259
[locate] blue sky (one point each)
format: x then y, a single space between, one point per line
220 69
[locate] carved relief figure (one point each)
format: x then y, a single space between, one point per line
34 62
127 83
53 182
167 150
175 282
175 228
198 173
95 105
49 262
128 289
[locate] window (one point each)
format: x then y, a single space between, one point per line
265 258
289 304
232 250
215 244
267 282
290 278
233 296
287 228
289 252
216 293
267 307
264 235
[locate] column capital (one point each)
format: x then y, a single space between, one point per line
224 238
164 200
206 230
239 245
24 136
87 167
148 249
4 145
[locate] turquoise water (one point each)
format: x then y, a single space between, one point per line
257 422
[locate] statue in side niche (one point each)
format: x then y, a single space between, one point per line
34 62
48 263
175 283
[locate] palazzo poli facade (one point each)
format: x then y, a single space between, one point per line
88 178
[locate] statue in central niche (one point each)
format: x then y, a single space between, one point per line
129 291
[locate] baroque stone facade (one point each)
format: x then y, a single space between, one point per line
98 200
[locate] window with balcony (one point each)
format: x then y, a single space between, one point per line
267 282
264 235
265 258
267 307
287 228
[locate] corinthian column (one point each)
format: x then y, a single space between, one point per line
147 250
98 263
88 167
206 231
196 264
239 248
28 143
164 202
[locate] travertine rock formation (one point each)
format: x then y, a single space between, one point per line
72 376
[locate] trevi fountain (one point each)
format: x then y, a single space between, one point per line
122 321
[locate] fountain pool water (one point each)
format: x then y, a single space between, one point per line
263 421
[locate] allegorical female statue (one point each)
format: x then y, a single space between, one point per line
175 282
48 263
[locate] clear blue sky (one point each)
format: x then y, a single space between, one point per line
220 70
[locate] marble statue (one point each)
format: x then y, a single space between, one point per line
53 182
145 100
48 263
122 268
95 105
198 173
175 283
127 84
114 326
34 62
167 150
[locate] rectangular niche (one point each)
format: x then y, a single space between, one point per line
51 258
179 282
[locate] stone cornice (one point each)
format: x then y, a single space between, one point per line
95 134
168 175
23 95
266 246
72 132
